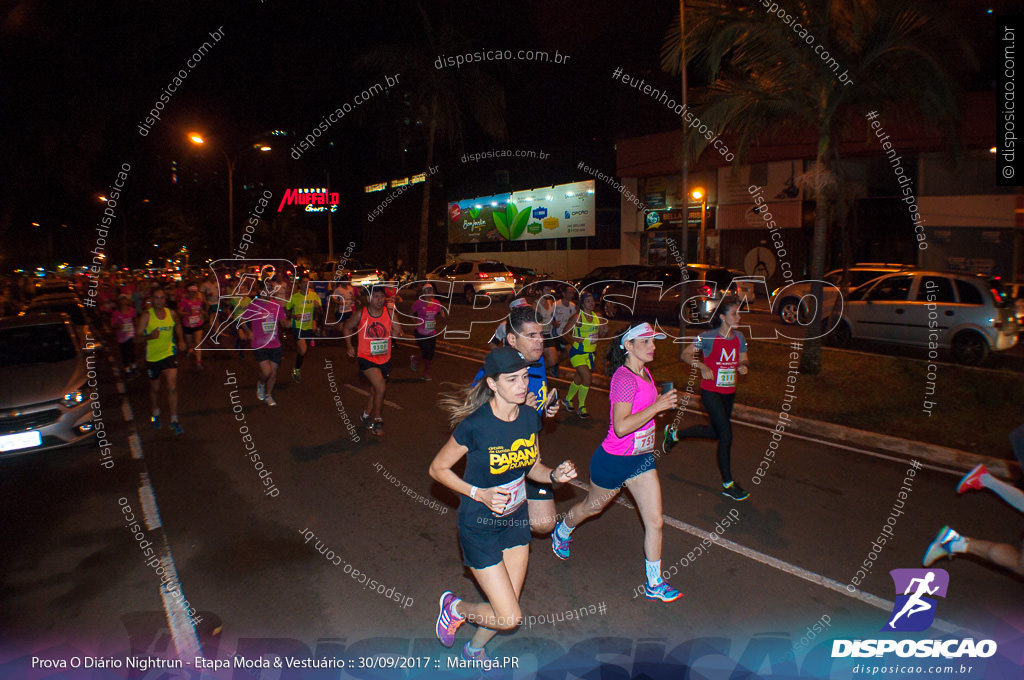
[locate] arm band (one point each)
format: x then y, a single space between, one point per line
472 492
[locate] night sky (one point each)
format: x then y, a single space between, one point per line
80 77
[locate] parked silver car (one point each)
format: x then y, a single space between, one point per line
968 314
45 400
470 278
790 307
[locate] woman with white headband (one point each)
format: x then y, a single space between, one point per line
625 457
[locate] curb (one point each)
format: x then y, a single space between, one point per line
839 434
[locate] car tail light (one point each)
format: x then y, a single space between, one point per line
482 275
705 291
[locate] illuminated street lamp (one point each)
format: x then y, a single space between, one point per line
699 195
198 140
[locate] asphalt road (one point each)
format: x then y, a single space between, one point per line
74 580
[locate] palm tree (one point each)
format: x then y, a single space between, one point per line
764 77
441 99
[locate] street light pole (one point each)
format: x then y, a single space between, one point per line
231 197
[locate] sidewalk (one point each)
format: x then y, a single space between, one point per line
838 434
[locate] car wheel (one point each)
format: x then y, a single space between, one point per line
469 294
789 311
970 348
841 336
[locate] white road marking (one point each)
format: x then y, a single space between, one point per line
364 392
148 501
183 631
775 563
135 444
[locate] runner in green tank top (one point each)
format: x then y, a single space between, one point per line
160 327
587 328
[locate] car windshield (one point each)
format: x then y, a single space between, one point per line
24 345
493 268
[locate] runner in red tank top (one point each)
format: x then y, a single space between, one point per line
725 356
373 353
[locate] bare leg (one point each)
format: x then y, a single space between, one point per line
646 490
1001 554
597 500
377 387
154 394
502 585
269 369
172 391
542 516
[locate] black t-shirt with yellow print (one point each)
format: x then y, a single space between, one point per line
499 453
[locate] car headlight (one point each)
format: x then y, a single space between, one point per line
74 397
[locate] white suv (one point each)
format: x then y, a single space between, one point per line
967 313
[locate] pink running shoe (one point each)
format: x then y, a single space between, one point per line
447 622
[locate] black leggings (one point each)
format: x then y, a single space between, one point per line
719 408
427 344
128 353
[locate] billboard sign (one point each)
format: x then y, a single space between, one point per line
560 211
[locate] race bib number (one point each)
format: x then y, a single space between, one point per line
268 326
128 327
726 377
643 440
195 320
378 347
305 317
517 491
429 325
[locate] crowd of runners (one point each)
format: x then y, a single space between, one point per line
506 491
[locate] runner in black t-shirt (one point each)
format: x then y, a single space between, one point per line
499 440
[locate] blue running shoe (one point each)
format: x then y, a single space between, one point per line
558 546
156 422
663 592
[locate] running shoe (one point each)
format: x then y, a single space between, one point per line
365 420
735 491
972 480
176 427
447 621
270 401
156 422
663 591
670 438
199 368
559 547
942 546
480 656
583 413
296 375
261 390
426 378
485 664
412 363
377 428
568 406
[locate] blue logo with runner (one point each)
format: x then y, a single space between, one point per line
913 610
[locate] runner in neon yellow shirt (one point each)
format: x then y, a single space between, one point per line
587 328
303 307
160 327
